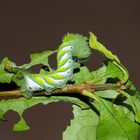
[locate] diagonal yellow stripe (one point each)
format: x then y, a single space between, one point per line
62 62
60 54
49 81
39 80
56 76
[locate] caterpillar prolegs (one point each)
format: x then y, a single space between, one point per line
71 52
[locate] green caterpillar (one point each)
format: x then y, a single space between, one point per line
71 52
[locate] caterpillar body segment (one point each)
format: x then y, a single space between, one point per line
73 46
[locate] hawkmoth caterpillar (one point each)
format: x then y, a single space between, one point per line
73 49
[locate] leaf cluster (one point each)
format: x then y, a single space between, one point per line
110 115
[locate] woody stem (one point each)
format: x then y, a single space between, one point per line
69 89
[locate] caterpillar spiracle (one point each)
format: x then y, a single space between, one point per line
73 50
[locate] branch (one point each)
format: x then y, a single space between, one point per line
11 93
69 89
90 87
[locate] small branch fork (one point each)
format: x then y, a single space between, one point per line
69 89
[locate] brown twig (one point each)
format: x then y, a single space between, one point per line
70 89
10 93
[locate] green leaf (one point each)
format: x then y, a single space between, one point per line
133 99
107 94
38 58
21 126
114 124
113 71
108 71
131 86
83 126
94 44
100 76
18 78
21 104
7 63
5 77
1 115
83 76
134 102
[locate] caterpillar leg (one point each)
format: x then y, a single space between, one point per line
47 93
27 94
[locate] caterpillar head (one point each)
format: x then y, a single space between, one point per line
80 49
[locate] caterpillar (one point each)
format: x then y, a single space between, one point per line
73 50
